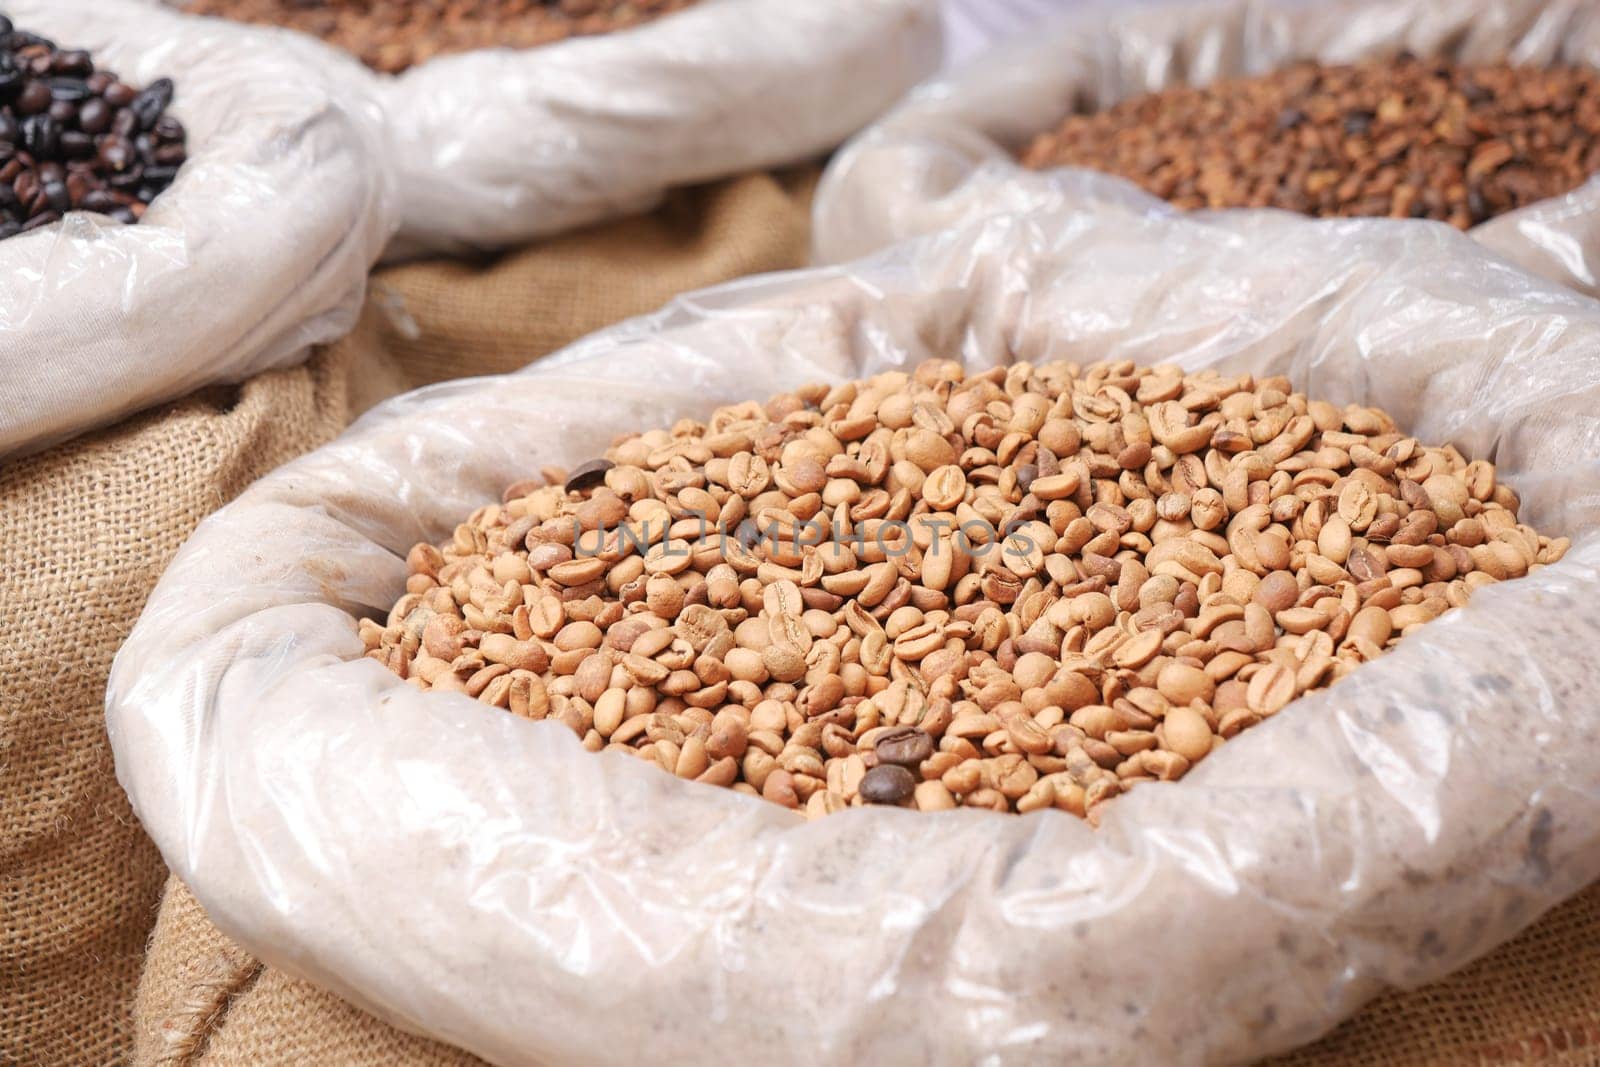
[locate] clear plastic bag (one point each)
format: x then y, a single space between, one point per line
258 251
481 878
947 155
496 148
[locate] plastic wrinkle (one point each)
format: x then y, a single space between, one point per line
481 878
496 148
257 252
946 156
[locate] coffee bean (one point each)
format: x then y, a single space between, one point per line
392 35
34 98
588 475
73 61
905 745
67 136
149 104
1301 540
887 784
1396 137
71 90
94 116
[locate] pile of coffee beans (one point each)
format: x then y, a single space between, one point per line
73 138
1034 587
1405 138
393 35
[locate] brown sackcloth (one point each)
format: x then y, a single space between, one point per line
456 320
85 530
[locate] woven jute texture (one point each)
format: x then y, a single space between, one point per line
85 531
1534 1003
453 319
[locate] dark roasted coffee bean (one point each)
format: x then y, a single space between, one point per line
149 104
73 61
42 219
119 94
73 137
72 90
41 135
34 98
116 154
127 180
76 144
94 116
9 229
100 200
588 475
887 783
904 745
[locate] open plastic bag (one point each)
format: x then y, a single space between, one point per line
948 154
259 250
495 148
481 878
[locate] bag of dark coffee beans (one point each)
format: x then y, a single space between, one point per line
179 207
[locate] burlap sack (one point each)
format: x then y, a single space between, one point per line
454 319
85 531
205 1002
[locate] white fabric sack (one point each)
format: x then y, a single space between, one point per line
948 153
259 250
480 878
496 148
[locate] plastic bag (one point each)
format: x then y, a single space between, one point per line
258 251
495 148
483 879
948 154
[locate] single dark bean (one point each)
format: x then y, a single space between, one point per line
40 220
10 130
73 61
56 193
41 135
34 98
71 90
99 200
887 783
588 475
149 104
76 144
94 116
124 123
116 154
9 229
120 94
905 745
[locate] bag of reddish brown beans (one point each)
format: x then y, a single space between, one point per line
592 109
180 208
468 869
1481 116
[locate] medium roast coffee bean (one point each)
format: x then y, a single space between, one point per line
1406 138
905 745
391 35
67 136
